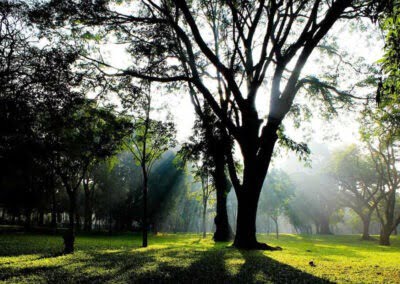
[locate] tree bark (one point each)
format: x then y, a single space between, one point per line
204 229
366 222
384 238
256 164
245 237
223 231
324 228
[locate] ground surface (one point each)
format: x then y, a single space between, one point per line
187 258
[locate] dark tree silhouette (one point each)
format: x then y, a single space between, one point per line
208 143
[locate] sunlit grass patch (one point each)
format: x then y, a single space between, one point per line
182 258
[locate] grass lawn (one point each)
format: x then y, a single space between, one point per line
182 258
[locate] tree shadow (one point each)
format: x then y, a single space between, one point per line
160 265
259 268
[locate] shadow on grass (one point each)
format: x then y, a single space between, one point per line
168 264
260 268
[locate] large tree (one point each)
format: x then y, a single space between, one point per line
383 141
258 40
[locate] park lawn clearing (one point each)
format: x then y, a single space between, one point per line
182 258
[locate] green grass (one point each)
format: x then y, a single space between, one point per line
182 258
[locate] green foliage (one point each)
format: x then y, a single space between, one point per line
352 167
389 93
277 191
150 139
301 149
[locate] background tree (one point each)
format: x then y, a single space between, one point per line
202 175
315 200
275 196
207 144
151 139
86 135
382 139
358 182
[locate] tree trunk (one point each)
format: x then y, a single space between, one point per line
384 238
256 164
245 237
69 236
324 226
366 222
276 227
145 182
223 231
204 229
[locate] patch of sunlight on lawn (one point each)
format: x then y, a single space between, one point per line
234 265
182 258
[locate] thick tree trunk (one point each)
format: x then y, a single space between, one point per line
245 237
324 228
384 238
256 164
366 222
69 236
223 231
246 222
